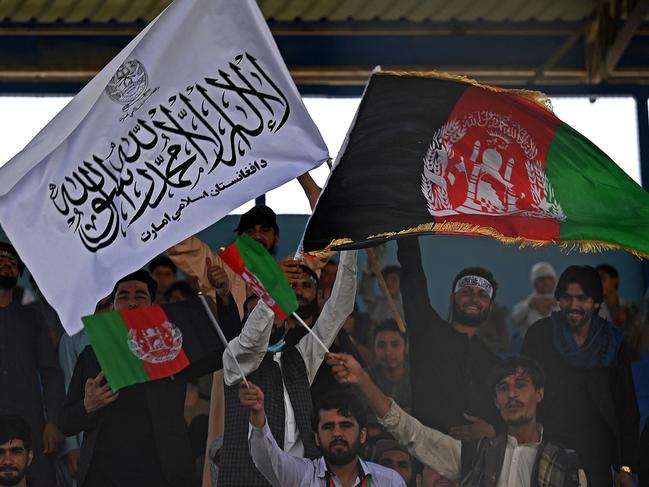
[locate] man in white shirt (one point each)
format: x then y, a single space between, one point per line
339 428
285 366
510 459
540 303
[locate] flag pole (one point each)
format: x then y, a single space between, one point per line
374 265
222 336
313 334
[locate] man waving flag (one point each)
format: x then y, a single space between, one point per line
196 116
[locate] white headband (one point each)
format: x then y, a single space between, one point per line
475 281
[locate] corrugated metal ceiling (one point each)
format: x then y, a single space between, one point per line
73 11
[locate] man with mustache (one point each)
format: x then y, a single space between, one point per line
522 456
283 359
447 359
590 402
30 377
16 452
338 424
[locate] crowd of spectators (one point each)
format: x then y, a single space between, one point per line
470 395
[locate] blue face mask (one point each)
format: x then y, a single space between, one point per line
276 347
277 340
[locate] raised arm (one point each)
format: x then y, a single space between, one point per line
334 313
278 467
194 258
250 346
433 448
419 314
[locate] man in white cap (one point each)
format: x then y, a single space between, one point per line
540 303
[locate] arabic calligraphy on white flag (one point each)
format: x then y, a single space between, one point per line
196 116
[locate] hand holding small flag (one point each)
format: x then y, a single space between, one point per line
98 396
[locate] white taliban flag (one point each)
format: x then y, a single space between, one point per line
196 116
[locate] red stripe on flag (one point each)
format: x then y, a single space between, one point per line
232 257
155 341
503 134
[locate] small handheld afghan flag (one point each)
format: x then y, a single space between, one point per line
140 345
260 271
435 153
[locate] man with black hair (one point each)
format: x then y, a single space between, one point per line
136 436
392 371
164 272
522 456
16 452
30 378
196 259
590 402
284 361
338 424
396 457
448 360
179 291
376 303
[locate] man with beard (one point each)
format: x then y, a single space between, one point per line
30 378
449 364
590 402
16 452
283 360
196 259
522 456
338 424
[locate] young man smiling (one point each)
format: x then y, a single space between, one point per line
590 403
339 428
521 457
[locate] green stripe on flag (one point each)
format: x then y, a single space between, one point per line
108 335
260 263
600 201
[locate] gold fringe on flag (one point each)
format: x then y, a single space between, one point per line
537 97
458 228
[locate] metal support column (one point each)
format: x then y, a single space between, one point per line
643 141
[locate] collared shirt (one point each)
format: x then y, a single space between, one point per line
284 470
252 343
443 453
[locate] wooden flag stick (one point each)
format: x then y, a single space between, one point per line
374 265
313 334
222 336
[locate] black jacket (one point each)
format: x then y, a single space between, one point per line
449 372
593 411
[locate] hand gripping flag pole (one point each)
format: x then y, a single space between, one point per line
222 336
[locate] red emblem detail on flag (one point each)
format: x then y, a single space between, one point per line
483 161
156 344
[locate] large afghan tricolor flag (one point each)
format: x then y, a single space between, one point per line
252 261
431 153
140 345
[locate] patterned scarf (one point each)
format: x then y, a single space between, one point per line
600 348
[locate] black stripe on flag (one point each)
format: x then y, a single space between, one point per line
376 186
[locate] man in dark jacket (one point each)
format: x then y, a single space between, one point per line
30 377
448 359
590 402
136 437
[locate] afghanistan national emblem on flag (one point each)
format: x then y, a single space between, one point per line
139 345
432 153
